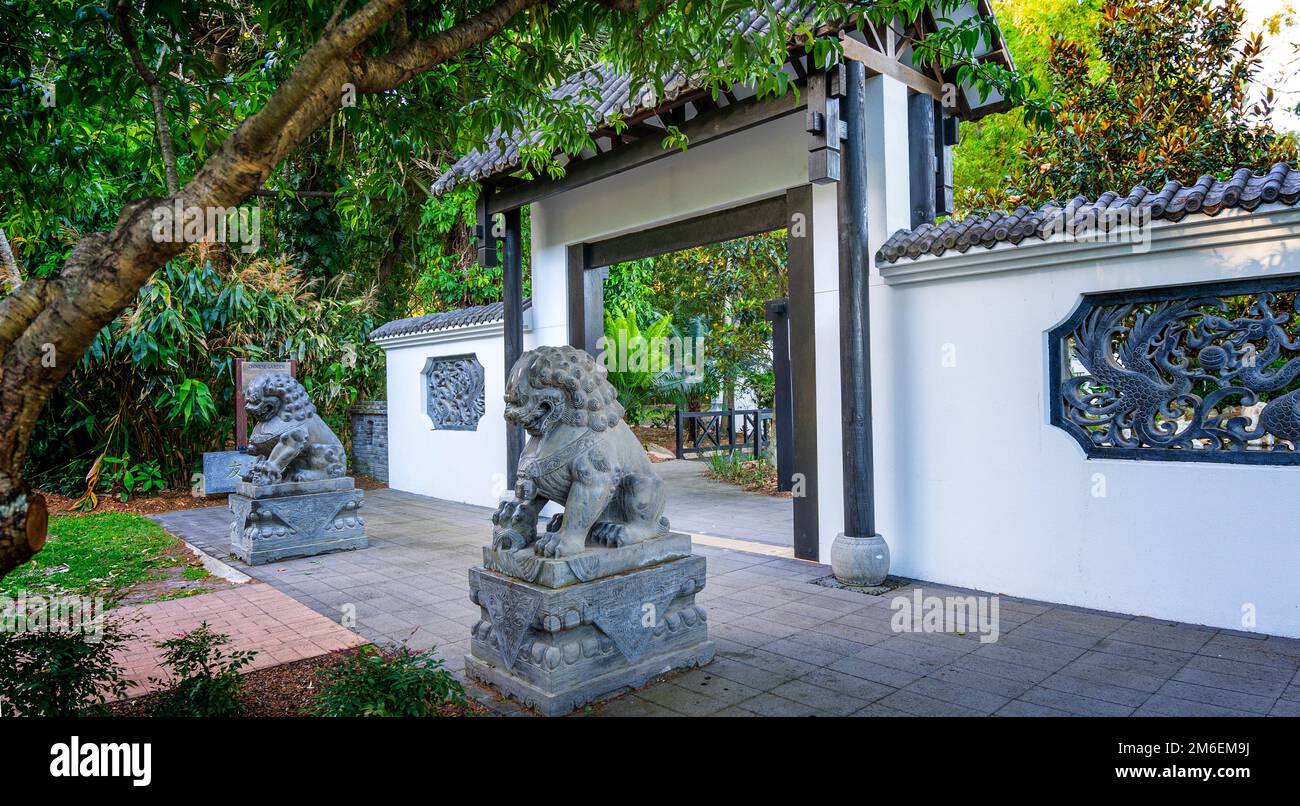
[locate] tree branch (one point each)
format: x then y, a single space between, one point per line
625 6
385 72
156 96
338 9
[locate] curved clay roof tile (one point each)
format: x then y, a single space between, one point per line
1273 182
1164 198
1243 190
1235 186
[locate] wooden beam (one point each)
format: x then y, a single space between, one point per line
704 129
723 225
880 64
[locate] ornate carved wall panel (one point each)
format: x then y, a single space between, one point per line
453 390
1201 372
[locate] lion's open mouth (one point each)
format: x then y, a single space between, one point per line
529 418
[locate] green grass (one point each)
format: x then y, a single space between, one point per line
104 555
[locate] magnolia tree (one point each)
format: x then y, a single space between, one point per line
77 72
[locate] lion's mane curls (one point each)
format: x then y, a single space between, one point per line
590 398
294 403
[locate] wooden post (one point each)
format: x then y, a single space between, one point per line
484 236
777 312
593 308
802 472
512 295
855 314
923 168
576 279
679 453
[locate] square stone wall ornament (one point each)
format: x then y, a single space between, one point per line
454 392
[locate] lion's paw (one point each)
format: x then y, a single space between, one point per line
554 544
264 474
608 534
508 539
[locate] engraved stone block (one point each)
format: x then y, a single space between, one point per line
557 649
295 519
222 470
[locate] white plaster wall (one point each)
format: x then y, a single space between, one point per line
983 492
465 466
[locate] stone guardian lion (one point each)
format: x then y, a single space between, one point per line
579 454
293 442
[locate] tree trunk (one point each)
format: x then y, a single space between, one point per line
46 325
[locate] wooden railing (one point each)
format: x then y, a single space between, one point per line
728 430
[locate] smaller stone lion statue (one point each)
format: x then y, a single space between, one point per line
580 454
292 440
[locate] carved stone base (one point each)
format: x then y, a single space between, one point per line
557 649
302 519
594 563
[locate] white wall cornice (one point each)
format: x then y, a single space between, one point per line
453 334
1230 228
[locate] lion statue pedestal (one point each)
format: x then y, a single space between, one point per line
295 500
604 599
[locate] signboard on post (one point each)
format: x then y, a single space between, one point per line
222 469
245 373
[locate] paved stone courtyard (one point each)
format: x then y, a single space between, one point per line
787 647
704 506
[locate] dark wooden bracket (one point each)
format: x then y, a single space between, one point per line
825 128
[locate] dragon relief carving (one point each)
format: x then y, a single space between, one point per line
1186 375
291 441
580 454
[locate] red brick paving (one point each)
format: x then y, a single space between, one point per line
255 616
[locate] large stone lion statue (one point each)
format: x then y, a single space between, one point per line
580 454
292 440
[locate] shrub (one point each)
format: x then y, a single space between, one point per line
755 475
405 683
205 678
60 672
155 390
